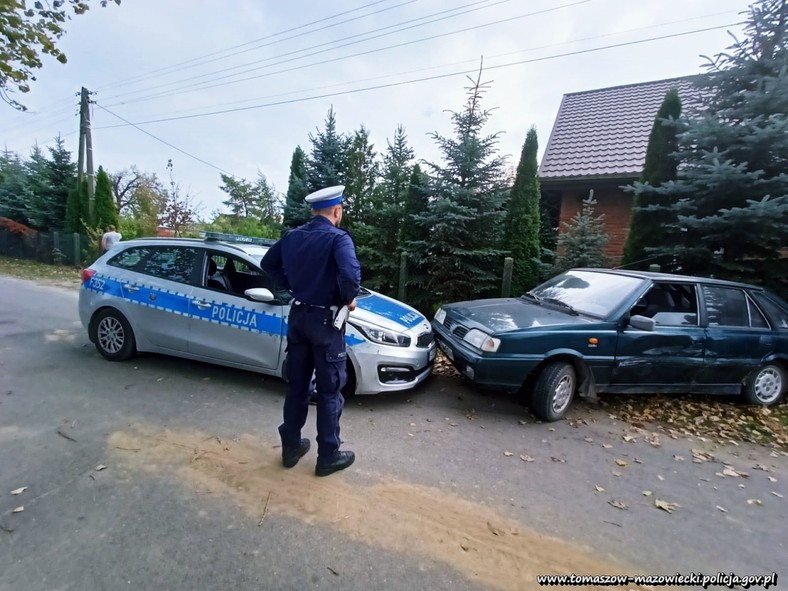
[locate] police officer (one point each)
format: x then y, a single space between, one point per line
317 263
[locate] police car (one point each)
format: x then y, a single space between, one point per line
208 300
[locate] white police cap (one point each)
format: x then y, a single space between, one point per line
328 197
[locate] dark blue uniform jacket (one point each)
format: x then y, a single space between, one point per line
317 263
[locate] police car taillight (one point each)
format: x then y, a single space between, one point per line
87 274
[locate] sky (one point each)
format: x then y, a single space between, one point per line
233 87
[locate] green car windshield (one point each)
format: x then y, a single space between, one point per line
588 292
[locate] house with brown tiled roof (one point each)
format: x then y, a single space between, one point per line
598 143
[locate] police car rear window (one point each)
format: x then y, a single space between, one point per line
173 263
129 258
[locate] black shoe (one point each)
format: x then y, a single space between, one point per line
291 455
342 461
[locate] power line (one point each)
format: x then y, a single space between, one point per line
500 55
166 143
429 78
320 45
179 65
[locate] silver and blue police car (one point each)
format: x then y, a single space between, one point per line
208 300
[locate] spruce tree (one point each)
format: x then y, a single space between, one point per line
378 239
521 233
733 155
36 208
465 215
62 175
583 241
105 211
649 212
413 240
296 211
325 166
360 178
14 193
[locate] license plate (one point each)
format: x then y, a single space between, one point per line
446 350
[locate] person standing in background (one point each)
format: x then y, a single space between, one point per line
317 263
110 238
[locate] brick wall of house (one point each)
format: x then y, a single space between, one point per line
614 204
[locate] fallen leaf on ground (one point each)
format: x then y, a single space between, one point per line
18 509
559 460
758 502
508 454
618 504
607 445
647 493
495 531
665 505
622 463
772 479
678 458
733 473
100 467
699 456
599 488
723 509
778 495
660 477
19 491
527 458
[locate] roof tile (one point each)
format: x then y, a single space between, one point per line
604 132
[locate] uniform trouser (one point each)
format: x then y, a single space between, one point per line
314 345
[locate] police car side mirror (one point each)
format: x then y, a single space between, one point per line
259 294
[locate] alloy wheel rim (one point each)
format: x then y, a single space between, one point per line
111 335
563 393
768 385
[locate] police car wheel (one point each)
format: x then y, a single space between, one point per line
350 384
112 334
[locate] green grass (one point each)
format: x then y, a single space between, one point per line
27 269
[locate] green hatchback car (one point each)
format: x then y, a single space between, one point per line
600 330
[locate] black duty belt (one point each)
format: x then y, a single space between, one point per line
298 303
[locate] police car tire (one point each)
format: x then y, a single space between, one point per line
350 384
552 395
112 320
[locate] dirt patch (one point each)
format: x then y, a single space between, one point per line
397 516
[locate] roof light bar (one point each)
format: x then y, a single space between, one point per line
221 236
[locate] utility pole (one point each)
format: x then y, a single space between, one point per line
86 148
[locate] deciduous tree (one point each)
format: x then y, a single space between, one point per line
25 34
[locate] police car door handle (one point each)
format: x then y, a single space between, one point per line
201 304
131 287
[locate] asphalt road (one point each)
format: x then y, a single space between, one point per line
160 473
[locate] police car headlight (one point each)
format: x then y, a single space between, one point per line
383 336
440 315
481 340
